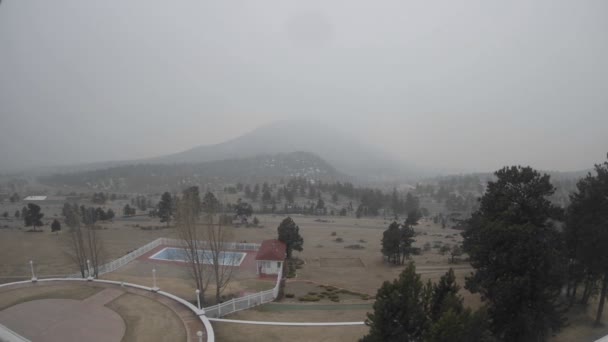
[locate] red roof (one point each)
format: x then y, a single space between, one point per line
274 250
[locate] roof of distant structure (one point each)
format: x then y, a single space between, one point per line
274 250
35 198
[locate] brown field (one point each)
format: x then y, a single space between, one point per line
326 261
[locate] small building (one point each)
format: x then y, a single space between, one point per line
270 257
35 198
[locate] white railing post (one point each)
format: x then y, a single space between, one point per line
154 287
34 279
89 278
198 298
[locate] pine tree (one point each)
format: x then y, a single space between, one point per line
400 309
165 208
33 216
55 226
587 232
289 233
517 255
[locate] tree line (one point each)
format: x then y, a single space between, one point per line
532 260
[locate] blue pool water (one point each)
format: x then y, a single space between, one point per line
178 254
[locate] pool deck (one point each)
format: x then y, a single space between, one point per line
248 262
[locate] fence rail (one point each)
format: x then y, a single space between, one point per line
127 258
219 310
246 302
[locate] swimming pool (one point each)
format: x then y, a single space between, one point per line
178 254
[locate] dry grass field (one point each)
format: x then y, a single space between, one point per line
326 262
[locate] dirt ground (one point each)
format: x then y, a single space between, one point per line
10 297
158 324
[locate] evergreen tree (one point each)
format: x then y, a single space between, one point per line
33 216
266 196
587 232
400 309
408 310
210 203
289 233
391 247
320 204
165 208
110 214
55 226
517 255
406 238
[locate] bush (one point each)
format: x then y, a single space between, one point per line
357 246
339 239
309 298
290 295
333 233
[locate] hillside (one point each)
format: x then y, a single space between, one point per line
348 154
148 177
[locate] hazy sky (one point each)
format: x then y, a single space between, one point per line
470 85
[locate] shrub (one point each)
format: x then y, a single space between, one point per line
339 239
290 295
309 298
333 233
357 246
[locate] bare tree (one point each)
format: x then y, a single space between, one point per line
191 234
83 243
74 240
222 263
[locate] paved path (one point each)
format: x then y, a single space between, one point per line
59 320
27 322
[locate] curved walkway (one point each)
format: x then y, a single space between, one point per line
190 319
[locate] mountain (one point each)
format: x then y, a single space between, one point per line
175 176
346 153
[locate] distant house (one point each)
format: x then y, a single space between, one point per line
270 257
35 198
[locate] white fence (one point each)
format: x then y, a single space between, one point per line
246 302
238 246
7 335
120 262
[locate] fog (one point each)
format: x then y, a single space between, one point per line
467 85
